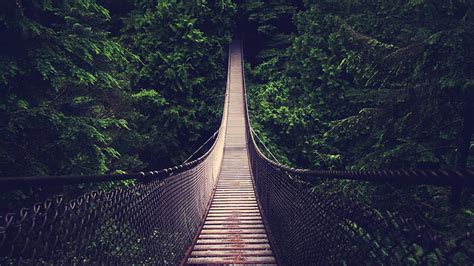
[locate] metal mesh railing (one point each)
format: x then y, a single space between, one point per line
308 227
151 222
145 223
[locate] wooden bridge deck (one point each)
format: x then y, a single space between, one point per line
233 232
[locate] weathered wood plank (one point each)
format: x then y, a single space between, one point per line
233 226
235 210
226 253
234 246
230 260
233 221
232 231
232 240
228 236
231 217
234 214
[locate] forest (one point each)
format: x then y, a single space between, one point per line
365 85
110 87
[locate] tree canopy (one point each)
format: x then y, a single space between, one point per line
362 85
93 87
104 86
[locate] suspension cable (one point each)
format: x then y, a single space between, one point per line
204 144
265 146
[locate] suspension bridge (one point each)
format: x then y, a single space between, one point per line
232 205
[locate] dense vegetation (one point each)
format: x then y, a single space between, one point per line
93 87
368 85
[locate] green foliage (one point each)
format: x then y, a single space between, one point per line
272 22
103 86
90 87
59 87
378 93
371 85
181 49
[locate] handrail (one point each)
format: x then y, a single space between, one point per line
202 146
438 177
29 181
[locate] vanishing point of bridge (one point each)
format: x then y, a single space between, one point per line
232 205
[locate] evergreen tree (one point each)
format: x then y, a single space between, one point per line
61 90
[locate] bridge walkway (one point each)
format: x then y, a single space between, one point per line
233 232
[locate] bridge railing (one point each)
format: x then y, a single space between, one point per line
153 221
307 226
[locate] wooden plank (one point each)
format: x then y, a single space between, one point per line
235 189
234 208
226 253
231 260
237 207
233 226
233 204
233 186
233 177
234 192
233 231
222 194
236 181
240 192
235 196
230 217
232 221
230 186
228 236
236 203
246 186
234 200
232 240
233 246
236 214
253 211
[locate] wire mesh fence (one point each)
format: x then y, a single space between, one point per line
145 223
151 222
307 226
